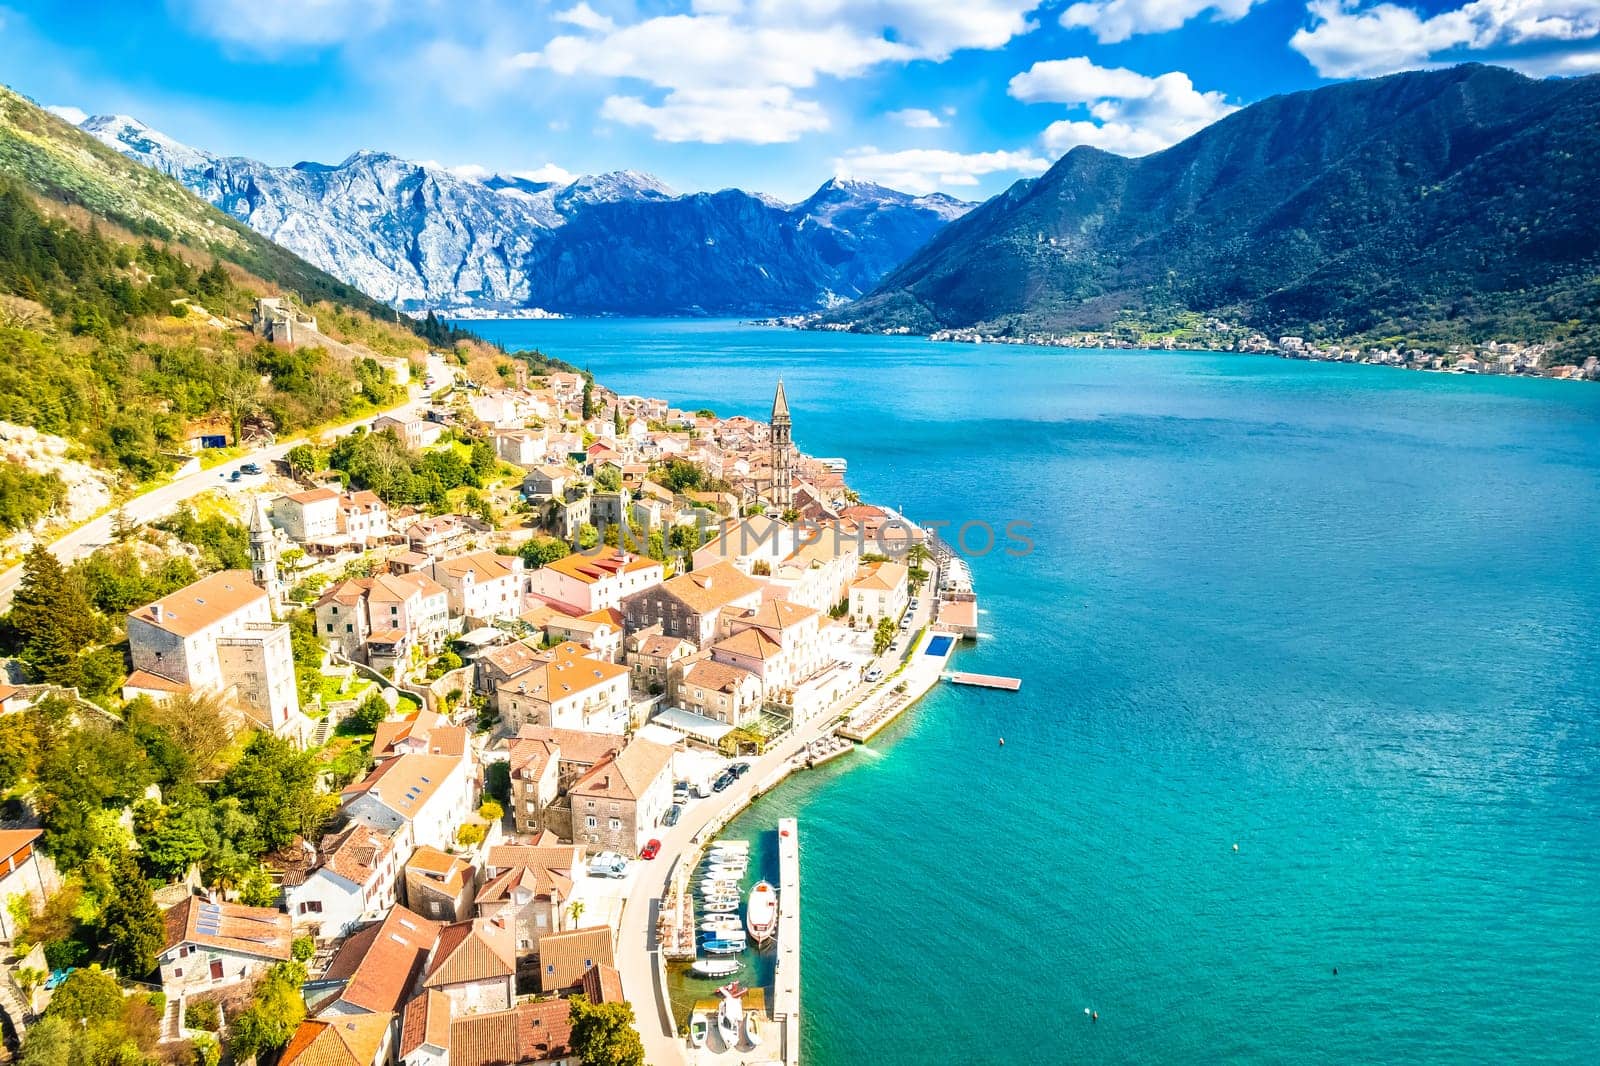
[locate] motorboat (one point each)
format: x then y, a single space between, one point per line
727 922
723 947
714 967
752 1031
698 1028
761 917
722 906
729 1014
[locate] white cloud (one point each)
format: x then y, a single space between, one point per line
270 27
715 116
74 115
916 118
925 170
748 58
1117 20
585 17
1127 112
1348 40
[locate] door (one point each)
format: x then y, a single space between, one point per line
216 969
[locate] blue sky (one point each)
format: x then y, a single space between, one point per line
964 96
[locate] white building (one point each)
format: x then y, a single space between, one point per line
880 591
415 799
482 585
217 635
307 517
594 582
353 881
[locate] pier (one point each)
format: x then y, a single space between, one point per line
786 972
1010 684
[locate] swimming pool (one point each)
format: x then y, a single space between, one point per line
939 645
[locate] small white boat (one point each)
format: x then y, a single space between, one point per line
729 1015
726 923
723 947
721 882
722 906
731 845
714 967
698 1028
761 918
752 1031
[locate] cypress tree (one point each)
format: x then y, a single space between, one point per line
132 921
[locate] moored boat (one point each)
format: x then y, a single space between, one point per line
729 1015
721 906
723 947
698 1028
714 967
752 1031
761 916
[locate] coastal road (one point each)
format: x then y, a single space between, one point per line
637 933
76 543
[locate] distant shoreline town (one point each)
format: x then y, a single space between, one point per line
1502 358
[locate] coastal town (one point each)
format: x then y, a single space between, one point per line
1505 358
528 708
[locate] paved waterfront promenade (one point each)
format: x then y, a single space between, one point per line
636 944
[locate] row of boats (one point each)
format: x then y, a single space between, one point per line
731 1019
721 876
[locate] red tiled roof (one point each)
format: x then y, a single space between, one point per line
380 963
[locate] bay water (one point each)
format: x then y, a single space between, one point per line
1342 617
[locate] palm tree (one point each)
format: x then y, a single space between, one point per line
575 911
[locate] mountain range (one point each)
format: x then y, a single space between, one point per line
418 235
1438 206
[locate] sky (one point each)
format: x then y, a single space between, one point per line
774 96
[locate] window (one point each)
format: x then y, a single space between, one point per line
616 824
216 969
590 822
330 627
348 628
177 973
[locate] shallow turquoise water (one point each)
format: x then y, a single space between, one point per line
1344 617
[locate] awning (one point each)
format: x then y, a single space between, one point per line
688 723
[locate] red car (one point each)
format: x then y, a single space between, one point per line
651 850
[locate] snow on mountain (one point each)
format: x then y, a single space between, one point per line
422 235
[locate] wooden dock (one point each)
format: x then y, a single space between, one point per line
1010 684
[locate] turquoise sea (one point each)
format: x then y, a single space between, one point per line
1343 617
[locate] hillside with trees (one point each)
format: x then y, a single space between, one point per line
1430 208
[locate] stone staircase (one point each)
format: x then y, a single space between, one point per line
319 735
15 1009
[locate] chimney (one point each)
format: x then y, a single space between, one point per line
155 611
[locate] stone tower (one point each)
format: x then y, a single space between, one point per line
264 548
782 452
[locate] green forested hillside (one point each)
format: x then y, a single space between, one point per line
1434 207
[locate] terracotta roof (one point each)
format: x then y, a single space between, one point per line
662 647
398 588
14 840
535 1032
882 575
592 568
144 679
259 931
711 587
513 659
566 676
542 871
311 496
485 565
426 1021
347 592
780 615
204 603
609 615
406 783
356 853
347 1040
751 642
627 774
474 950
576 746
380 963
603 984
565 957
719 677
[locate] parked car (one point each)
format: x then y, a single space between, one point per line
674 812
652 848
722 782
250 468
874 674
739 769
608 864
